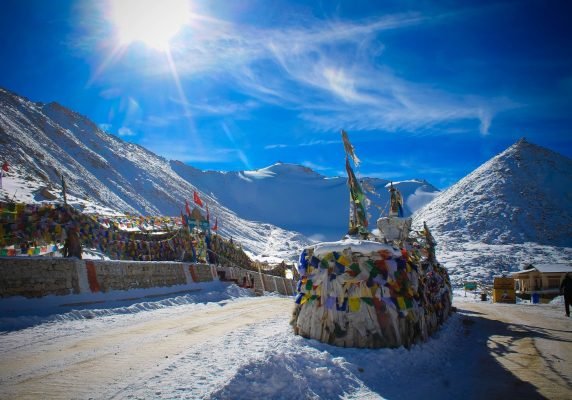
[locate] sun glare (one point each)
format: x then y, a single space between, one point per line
153 22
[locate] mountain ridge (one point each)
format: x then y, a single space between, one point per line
130 178
513 210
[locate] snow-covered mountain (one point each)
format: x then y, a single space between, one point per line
513 210
271 211
297 198
42 142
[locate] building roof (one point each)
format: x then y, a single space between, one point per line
547 269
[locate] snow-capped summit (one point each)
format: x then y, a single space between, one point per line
522 195
513 209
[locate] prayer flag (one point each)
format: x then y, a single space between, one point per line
354 304
215 227
6 166
349 148
187 208
197 199
357 197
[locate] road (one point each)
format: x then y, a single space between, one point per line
244 348
522 351
91 359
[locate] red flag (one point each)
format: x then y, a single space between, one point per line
215 227
197 199
187 208
5 166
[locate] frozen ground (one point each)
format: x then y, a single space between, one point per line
222 343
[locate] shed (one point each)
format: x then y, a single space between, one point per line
544 279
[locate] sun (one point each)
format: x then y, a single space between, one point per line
153 22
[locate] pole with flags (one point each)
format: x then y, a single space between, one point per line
187 208
5 168
64 189
358 201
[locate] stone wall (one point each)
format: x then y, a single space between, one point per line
41 276
38 276
262 282
124 275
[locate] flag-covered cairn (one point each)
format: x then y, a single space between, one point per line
357 293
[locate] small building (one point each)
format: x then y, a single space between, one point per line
503 289
543 279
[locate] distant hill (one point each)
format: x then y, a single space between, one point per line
514 209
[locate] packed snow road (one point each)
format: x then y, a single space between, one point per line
116 356
242 347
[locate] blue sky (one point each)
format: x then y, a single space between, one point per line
425 89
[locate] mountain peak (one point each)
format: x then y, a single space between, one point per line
283 170
524 194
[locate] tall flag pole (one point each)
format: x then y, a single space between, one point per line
358 218
64 190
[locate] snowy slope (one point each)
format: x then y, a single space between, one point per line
105 174
513 210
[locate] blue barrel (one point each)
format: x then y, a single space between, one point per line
535 298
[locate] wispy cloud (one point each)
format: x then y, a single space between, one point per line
219 107
104 127
303 144
276 146
125 132
189 154
315 166
332 73
306 69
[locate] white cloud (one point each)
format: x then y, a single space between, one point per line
125 132
315 167
104 127
303 144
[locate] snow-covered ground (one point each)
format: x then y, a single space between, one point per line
223 343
